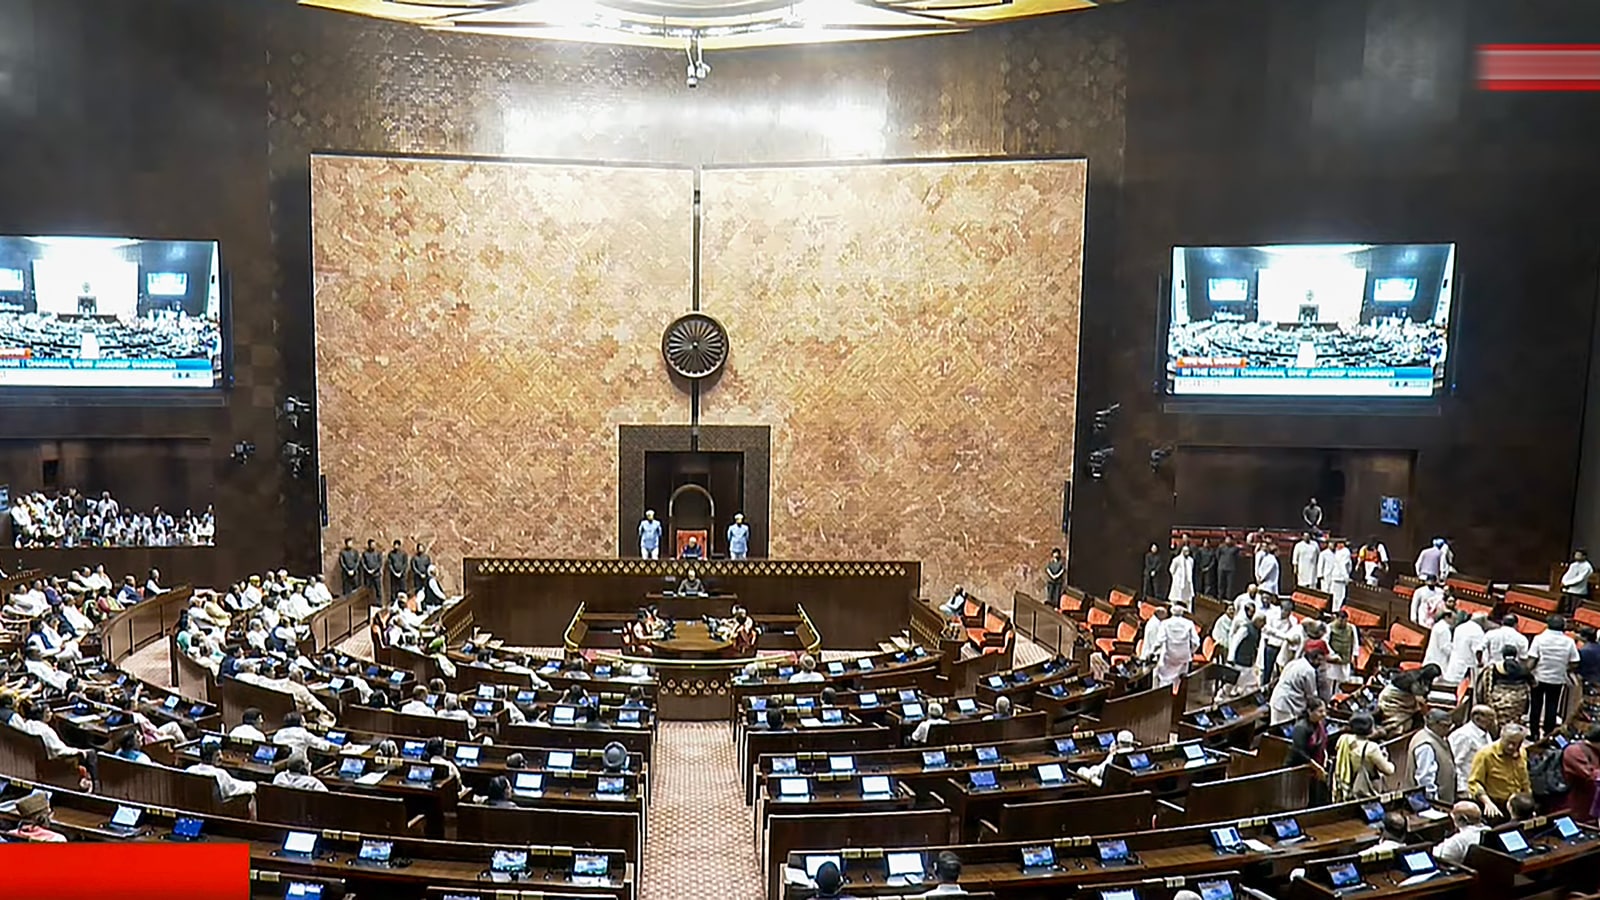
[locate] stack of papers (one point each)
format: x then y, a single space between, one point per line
1432 814
354 749
371 778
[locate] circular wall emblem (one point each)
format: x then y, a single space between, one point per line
695 346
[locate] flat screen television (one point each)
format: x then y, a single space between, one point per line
1310 320
102 312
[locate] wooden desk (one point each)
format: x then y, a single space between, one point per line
1230 723
1169 774
693 640
1383 872
529 602
1571 865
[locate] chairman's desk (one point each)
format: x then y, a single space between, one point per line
454 864
854 605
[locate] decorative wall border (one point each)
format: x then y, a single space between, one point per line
709 567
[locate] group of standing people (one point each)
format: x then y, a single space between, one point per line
396 571
650 531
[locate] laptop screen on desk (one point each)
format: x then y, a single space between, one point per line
1286 829
933 759
352 767
468 754
1202 719
266 753
1418 862
987 755
413 749
591 865
419 774
299 842
376 851
1050 773
609 784
1037 857
509 861
868 700
905 864
841 763
966 705
784 765
486 691
1066 746
531 782
1372 812
911 710
1120 894
563 715
1105 740
559 759
833 715
126 816
1225 838
1112 851
1193 752
187 826
794 787
1567 828
814 861
1513 841
1138 761
1216 890
1418 801
983 778
875 785
1343 875
302 890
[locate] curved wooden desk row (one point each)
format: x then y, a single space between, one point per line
451 864
1164 853
142 623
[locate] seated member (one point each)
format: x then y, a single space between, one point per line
418 704
935 717
1395 832
745 631
297 774
637 636
1468 819
250 728
808 671
228 786
498 792
294 734
692 550
1002 709
34 814
830 881
35 720
947 868
128 747
691 583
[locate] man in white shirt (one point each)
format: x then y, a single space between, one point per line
297 774
41 668
1431 560
1222 630
1554 655
1325 557
1466 649
1179 642
1468 819
227 785
1465 742
1181 577
35 720
294 734
1440 638
418 704
1426 765
946 868
1305 561
250 728
1096 773
919 735
1426 600
1267 567
1150 645
452 710
808 671
72 611
317 592
1248 603
26 604
1280 622
1507 635
1339 576
1297 687
1575 582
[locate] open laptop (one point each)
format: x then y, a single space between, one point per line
1226 839
908 695
468 754
186 829
590 865
841 764
785 765
1050 774
934 759
794 788
483 708
171 703
610 786
1139 761
299 845
867 700
835 668
1418 865
1105 740
833 715
1216 890
876 787
1193 753
1066 747
966 705
911 711
1372 812
1287 830
419 774
302 890
528 784
506 865
1228 713
995 681
758 703
352 767
338 737
1056 689
983 780
125 821
986 755
1515 843
1120 894
1566 829
805 702
564 715
375 853
413 750
904 867
1345 877
265 754
1202 719
486 692
815 861
1039 858
864 664
1113 853
558 759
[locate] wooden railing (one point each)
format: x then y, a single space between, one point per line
1049 628
810 638
572 639
338 620
148 620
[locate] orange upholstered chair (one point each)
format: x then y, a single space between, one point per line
702 535
1361 618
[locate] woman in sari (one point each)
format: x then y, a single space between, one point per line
1404 699
1505 686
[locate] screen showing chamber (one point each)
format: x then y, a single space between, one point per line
110 313
1310 320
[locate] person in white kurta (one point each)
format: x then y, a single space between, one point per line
1179 641
1222 630
1267 569
1325 568
1339 576
1439 640
1182 572
1305 562
1152 633
1465 645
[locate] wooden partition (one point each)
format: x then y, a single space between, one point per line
1148 714
533 825
144 622
238 696
853 605
1266 792
190 678
335 622
361 813
1046 819
1051 629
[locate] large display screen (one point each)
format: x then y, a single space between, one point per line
1312 320
110 313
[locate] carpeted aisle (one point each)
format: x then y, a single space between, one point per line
700 839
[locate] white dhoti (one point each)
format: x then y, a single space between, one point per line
1171 668
1338 589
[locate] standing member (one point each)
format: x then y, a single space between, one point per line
1179 642
1227 564
419 569
372 568
1554 654
1324 567
1280 621
1182 575
1055 578
738 538
1312 515
1151 572
1431 560
1432 763
1206 565
1499 771
650 536
1267 567
349 567
399 563
1305 561
1575 582
1339 577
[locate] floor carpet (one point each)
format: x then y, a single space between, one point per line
700 840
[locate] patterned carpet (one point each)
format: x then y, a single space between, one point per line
699 843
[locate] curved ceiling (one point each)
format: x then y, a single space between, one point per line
707 24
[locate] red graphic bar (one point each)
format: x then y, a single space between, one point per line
142 871
1539 67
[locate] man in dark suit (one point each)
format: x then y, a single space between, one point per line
1227 564
349 568
1206 564
399 563
372 568
419 569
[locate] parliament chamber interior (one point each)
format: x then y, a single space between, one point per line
1136 450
